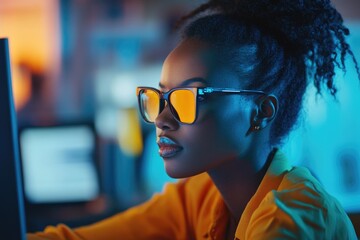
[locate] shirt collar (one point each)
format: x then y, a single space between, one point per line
272 179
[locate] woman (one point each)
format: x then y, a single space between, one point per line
229 94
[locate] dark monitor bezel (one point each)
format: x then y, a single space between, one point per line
13 223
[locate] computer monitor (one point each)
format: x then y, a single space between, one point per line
59 163
12 214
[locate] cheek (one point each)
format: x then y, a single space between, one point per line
212 137
234 127
231 121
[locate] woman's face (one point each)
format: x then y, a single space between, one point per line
219 133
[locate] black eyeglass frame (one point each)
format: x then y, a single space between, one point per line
199 91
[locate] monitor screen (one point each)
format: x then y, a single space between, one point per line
59 164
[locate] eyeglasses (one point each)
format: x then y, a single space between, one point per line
182 101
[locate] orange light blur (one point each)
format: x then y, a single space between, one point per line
21 83
32 28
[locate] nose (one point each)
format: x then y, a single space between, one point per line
165 120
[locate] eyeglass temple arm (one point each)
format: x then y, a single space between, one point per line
209 90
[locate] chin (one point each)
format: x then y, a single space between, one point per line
178 172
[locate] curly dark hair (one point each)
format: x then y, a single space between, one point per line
277 45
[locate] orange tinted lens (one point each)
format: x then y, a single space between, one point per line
184 103
149 104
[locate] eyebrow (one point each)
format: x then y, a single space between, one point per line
188 82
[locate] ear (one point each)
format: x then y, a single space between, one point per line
265 111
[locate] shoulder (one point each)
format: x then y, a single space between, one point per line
299 184
301 207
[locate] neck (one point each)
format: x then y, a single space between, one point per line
238 179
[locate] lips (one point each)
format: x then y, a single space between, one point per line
168 147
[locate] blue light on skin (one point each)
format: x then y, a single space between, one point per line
217 142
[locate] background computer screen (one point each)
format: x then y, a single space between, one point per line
58 163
